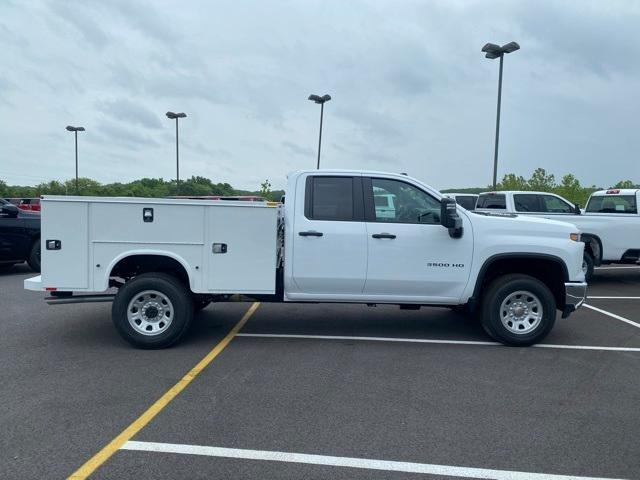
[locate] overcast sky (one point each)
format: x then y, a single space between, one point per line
411 90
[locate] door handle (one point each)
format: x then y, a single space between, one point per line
383 235
310 233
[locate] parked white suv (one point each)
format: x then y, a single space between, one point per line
610 224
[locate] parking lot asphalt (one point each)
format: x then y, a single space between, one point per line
337 391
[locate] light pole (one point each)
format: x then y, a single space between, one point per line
75 131
321 100
176 116
494 51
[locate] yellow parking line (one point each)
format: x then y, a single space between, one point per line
114 445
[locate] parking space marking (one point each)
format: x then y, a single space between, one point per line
613 298
612 315
434 341
103 455
349 462
616 268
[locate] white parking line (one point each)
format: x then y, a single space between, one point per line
433 341
349 462
616 268
612 315
613 298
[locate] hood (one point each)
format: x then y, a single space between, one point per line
512 221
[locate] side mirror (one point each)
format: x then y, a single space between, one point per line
10 211
449 217
576 209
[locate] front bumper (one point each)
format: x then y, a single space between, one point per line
575 295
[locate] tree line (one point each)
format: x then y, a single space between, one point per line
145 187
569 186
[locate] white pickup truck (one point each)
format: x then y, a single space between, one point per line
327 243
610 224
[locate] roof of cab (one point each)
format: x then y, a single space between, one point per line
615 191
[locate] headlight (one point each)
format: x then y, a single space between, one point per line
575 237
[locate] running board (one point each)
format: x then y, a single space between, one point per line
79 299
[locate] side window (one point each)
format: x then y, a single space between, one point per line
466 201
330 198
527 202
492 200
399 202
553 204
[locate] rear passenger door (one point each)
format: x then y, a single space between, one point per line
329 238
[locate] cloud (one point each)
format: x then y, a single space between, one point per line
410 89
125 110
297 149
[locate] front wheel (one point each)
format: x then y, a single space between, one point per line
152 311
518 310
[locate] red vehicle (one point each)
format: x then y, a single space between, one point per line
27 204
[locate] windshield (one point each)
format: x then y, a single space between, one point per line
612 204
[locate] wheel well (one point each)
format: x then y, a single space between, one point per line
134 265
593 246
549 270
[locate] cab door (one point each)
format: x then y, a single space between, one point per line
412 258
329 237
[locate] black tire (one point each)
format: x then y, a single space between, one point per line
492 312
34 256
171 290
587 265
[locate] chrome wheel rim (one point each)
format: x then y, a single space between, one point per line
521 312
150 313
585 267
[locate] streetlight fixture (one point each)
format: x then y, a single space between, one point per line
495 51
75 131
320 100
176 116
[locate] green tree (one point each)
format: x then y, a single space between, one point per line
541 181
625 184
265 189
512 181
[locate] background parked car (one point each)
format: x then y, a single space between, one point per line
465 200
29 204
19 236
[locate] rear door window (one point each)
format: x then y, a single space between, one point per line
467 202
330 198
492 200
612 204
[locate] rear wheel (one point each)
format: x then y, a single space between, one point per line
518 310
152 311
587 266
34 256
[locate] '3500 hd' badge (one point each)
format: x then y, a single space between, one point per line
445 265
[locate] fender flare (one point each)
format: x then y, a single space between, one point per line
157 253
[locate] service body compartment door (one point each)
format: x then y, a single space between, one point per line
65 264
329 238
241 249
